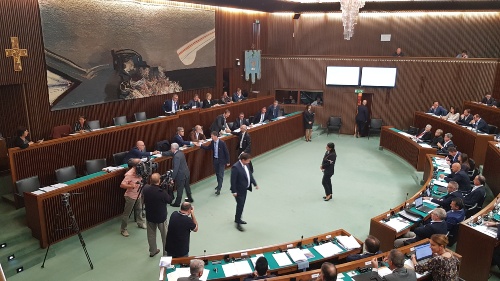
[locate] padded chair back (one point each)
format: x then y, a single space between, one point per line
61 131
376 124
118 158
334 121
412 131
66 174
120 120
492 129
95 165
94 124
27 185
163 145
140 116
230 124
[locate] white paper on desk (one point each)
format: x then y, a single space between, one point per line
397 224
48 188
157 155
349 242
165 261
426 145
405 134
409 264
59 185
296 255
441 183
328 249
308 253
280 117
490 231
243 267
282 259
37 192
431 203
383 271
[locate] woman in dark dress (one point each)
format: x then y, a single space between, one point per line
328 169
209 102
22 140
361 118
81 125
308 121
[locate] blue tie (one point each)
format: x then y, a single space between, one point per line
216 149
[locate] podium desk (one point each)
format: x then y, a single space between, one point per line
491 167
465 139
490 114
392 139
476 247
217 261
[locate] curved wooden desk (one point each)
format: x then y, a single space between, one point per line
491 167
490 114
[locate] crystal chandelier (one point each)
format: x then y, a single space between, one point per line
350 12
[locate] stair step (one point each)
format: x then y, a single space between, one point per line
35 258
19 249
14 235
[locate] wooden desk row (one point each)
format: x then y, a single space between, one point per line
490 114
467 141
43 159
491 167
102 198
404 147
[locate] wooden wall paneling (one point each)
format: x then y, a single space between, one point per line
13 111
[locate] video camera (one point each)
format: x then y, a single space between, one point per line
166 180
146 169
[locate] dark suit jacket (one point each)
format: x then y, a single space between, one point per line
462 178
439 111
256 118
398 274
239 180
167 106
482 126
435 141
445 201
135 153
179 165
427 230
476 196
273 113
178 139
454 159
362 115
236 98
328 163
193 137
223 152
208 103
465 121
426 137
489 102
237 124
192 103
218 124
246 144
446 146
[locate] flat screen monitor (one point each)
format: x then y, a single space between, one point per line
378 76
342 75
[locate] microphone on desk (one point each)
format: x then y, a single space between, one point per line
299 245
204 255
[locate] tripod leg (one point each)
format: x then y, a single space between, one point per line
85 250
45 258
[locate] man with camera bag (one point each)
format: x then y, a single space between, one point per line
180 174
156 200
132 183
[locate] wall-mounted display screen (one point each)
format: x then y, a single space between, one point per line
342 75
378 76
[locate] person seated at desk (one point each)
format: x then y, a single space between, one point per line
328 272
453 154
396 261
292 100
462 55
81 126
139 151
273 111
452 115
437 225
437 110
22 140
437 139
398 53
196 268
372 247
463 159
220 123
225 99
489 101
317 102
445 201
179 138
238 96
240 121
476 197
425 135
208 102
171 106
444 147
465 118
458 176
195 102
443 265
261 270
197 134
260 117
454 217
479 124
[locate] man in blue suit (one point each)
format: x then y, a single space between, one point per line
273 111
139 151
241 181
179 138
438 110
238 96
221 158
459 176
171 106
479 124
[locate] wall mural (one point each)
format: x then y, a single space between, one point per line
98 51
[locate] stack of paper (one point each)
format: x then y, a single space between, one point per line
282 259
426 145
348 242
328 249
237 268
165 261
490 231
397 223
383 271
37 192
296 255
307 253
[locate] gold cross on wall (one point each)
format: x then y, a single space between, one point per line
16 53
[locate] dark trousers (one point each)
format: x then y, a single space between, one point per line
361 127
181 185
219 172
240 204
327 183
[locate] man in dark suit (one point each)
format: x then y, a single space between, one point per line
273 111
445 201
443 147
479 124
437 225
328 272
453 154
197 134
459 176
396 261
221 158
488 100
171 106
437 110
372 247
425 135
195 102
261 270
241 181
476 196
454 217
465 118
244 144
240 121
196 268
180 174
238 96
139 151
438 138
220 122
179 138
260 117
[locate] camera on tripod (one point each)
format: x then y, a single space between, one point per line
146 169
166 180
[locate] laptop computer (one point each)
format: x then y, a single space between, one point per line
423 253
442 189
419 205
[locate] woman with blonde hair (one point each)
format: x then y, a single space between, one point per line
443 265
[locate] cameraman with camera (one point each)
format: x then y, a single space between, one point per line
180 174
132 184
156 200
